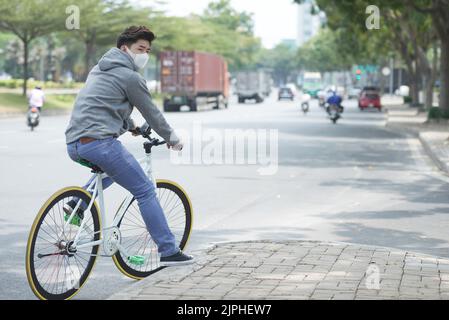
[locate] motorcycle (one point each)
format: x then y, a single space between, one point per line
305 103
334 113
305 107
33 116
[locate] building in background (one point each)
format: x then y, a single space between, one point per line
308 23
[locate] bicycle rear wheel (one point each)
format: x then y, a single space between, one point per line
138 242
54 270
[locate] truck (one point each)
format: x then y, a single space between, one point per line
195 79
312 83
253 85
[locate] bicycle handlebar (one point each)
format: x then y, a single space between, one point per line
146 133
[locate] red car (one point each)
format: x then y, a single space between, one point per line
369 99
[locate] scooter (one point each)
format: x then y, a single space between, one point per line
305 107
33 116
334 113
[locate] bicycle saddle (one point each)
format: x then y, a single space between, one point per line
88 164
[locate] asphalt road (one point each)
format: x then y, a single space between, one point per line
354 182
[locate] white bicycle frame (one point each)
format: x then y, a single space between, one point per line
96 189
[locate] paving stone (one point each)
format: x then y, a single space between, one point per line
299 270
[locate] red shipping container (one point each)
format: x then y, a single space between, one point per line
193 74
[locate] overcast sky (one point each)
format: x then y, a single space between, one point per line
275 20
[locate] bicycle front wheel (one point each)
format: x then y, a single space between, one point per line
54 270
138 242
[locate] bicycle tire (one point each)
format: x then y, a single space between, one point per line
38 225
127 268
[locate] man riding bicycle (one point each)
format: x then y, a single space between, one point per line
102 113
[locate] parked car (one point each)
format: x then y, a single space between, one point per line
370 99
286 93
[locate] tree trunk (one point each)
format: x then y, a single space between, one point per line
432 76
25 66
88 58
429 93
428 81
414 88
414 83
90 52
444 62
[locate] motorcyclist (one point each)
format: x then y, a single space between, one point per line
335 99
305 99
36 98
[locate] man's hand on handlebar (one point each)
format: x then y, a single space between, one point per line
176 147
136 132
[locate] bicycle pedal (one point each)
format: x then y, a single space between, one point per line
136 260
76 220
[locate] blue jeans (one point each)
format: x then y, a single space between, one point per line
122 168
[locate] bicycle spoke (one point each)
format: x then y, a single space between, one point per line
141 243
173 196
55 270
140 236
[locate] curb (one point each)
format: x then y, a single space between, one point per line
167 274
442 166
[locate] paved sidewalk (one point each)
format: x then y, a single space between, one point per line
434 136
298 270
436 144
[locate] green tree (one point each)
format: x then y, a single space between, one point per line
4 40
438 10
281 61
102 21
222 13
214 32
30 19
403 31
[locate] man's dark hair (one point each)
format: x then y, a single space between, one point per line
133 34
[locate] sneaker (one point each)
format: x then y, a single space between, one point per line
178 259
68 209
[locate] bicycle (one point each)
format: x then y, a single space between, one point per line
62 249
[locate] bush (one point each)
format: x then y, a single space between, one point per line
408 99
435 113
18 83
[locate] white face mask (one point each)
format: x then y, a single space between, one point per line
140 59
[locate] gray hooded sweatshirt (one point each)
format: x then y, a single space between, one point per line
104 105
